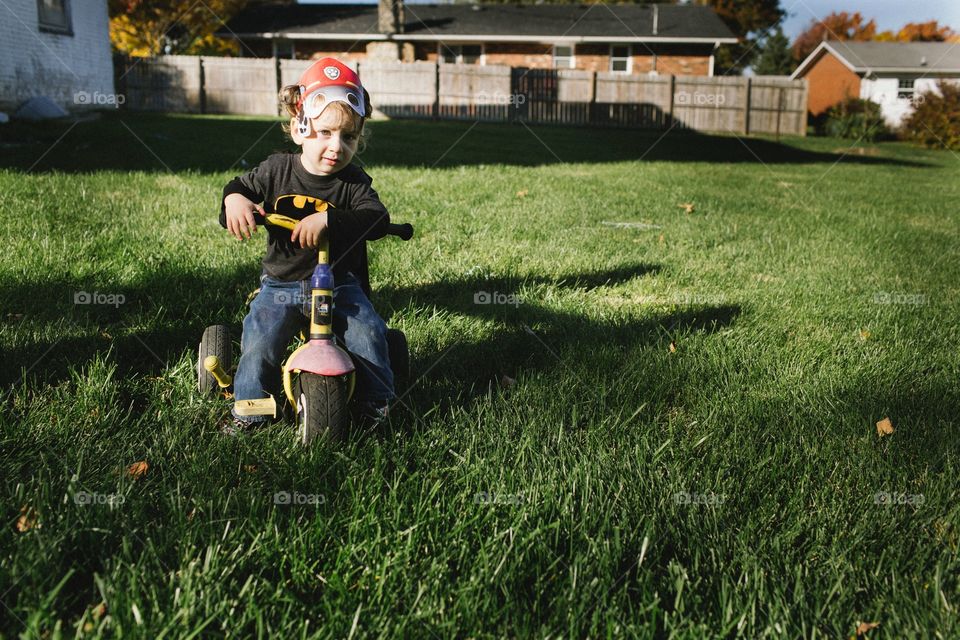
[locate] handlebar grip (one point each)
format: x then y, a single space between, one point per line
403 231
276 220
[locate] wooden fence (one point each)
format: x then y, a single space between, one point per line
201 84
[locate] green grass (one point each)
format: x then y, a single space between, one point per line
808 295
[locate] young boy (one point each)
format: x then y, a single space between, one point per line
328 195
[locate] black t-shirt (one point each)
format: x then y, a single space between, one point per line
354 214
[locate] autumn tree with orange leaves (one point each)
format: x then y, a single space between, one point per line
152 27
853 26
836 26
919 32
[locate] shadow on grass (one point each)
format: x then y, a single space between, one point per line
145 326
161 317
530 336
127 141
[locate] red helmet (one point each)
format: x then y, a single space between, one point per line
329 80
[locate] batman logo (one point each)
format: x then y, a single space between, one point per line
299 207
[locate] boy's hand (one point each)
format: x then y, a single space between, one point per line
240 212
309 230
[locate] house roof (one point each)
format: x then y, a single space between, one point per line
874 57
503 22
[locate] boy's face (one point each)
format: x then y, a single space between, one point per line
331 145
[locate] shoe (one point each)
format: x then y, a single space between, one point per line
235 427
371 414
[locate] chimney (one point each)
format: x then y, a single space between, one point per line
656 19
390 17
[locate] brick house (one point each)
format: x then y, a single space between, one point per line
48 49
668 39
891 74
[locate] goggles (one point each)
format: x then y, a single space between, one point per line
319 99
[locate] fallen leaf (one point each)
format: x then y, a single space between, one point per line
227 395
105 335
864 334
190 515
250 468
884 427
863 627
660 239
138 469
687 206
507 382
522 194
673 348
29 519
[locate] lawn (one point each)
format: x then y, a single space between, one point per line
664 426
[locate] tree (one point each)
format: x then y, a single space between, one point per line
919 32
750 20
776 58
935 121
836 26
152 27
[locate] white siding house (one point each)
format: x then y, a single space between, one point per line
56 48
892 74
896 94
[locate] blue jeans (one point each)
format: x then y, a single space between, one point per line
276 315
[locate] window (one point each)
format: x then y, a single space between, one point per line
563 56
620 58
905 89
461 53
54 16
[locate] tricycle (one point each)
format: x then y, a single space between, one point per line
319 376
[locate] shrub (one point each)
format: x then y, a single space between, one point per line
935 121
857 119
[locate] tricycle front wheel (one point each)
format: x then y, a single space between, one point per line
321 406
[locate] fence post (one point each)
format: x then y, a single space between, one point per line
278 82
780 108
673 90
203 85
748 87
592 105
436 90
803 108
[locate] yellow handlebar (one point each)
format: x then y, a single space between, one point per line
281 221
289 223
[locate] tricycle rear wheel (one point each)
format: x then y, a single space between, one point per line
215 342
